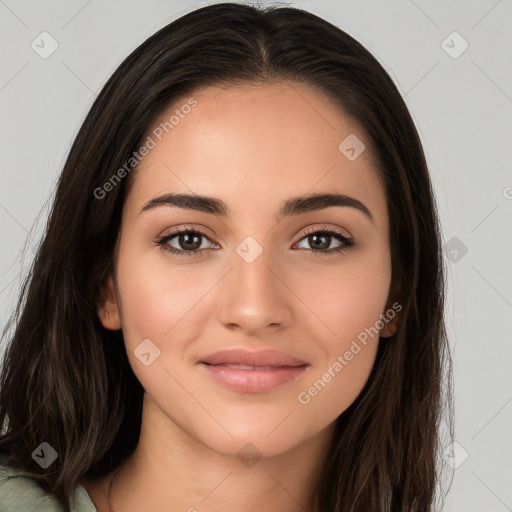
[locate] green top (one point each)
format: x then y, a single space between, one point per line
20 493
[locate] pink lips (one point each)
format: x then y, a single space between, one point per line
252 372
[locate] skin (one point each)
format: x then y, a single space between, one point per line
252 147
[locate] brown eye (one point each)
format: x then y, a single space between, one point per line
319 241
185 242
189 242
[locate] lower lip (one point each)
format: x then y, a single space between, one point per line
253 381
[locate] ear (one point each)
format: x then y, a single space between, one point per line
392 314
390 327
108 309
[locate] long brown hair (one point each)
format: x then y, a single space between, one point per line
67 381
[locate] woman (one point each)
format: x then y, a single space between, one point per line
238 302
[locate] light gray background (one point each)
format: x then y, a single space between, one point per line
463 110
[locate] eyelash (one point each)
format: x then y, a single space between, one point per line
162 241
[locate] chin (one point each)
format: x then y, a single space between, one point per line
254 440
248 450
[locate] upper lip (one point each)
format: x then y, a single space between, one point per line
253 358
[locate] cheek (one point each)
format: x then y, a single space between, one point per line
346 298
331 391
162 306
155 302
348 305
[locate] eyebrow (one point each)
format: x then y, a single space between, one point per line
292 206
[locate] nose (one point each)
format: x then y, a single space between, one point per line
254 297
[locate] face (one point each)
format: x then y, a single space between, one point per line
309 281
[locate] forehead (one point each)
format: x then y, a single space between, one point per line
268 142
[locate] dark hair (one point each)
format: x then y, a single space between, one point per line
66 379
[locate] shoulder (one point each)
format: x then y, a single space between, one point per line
20 492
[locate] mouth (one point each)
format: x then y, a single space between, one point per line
252 372
259 359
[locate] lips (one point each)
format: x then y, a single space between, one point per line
244 359
252 372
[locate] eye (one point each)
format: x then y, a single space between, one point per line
320 240
188 241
